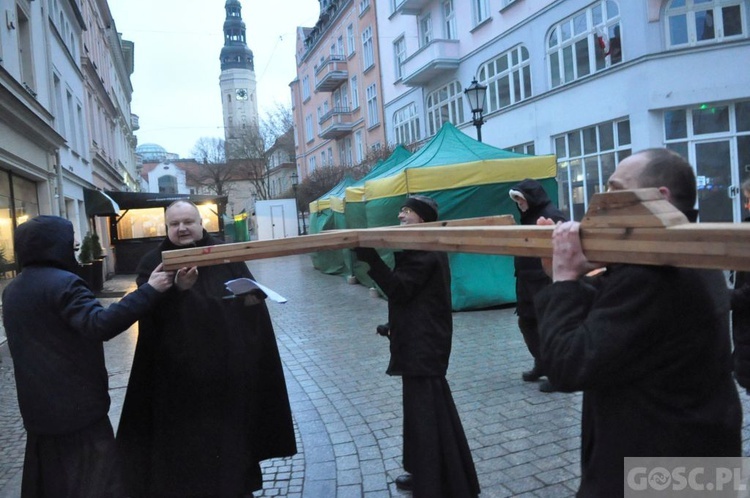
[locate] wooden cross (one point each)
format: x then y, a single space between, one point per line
629 226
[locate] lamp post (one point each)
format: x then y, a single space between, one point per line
477 93
295 182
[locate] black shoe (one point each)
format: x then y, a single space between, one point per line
404 482
532 375
547 387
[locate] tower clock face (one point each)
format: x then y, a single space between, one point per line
241 94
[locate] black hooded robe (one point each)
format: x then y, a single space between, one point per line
207 400
56 327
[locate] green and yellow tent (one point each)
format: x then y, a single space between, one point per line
468 179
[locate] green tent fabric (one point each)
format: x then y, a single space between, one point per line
354 212
323 217
468 179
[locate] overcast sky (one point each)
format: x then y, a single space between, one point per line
177 45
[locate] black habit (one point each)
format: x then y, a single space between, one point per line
207 399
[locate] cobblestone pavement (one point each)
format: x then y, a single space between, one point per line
348 412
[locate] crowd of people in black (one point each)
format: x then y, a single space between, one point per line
649 346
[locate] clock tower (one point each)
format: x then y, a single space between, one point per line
237 81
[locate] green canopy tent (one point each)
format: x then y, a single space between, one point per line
353 207
468 179
323 217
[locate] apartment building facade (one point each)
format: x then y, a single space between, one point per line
588 81
65 122
337 100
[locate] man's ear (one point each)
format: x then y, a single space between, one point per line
666 193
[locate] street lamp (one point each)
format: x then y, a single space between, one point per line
295 182
477 93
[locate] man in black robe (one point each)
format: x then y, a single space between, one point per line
648 345
207 400
437 456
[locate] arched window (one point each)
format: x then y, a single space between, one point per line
445 104
406 125
587 42
508 78
697 22
167 184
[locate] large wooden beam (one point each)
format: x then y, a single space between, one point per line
326 241
636 226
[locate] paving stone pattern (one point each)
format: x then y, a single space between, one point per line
348 412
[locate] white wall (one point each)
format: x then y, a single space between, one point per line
276 219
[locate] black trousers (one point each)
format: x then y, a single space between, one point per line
530 331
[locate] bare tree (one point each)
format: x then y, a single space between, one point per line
325 178
250 153
212 171
247 155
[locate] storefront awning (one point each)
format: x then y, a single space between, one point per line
99 203
141 200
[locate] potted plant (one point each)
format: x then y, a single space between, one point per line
97 260
85 258
90 269
85 255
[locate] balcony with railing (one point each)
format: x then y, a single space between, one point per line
135 123
336 123
432 61
410 7
331 73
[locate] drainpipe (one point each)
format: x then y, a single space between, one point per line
59 189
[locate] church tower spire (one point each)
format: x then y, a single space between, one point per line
237 80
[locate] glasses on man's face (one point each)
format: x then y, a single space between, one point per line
406 210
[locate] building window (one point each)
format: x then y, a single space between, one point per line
311 165
508 78
355 93
167 184
305 88
449 17
399 55
350 40
341 99
445 104
425 30
363 6
359 146
585 43
339 47
695 22
527 148
586 158
25 54
309 127
367 48
708 135
481 11
372 105
406 125
345 151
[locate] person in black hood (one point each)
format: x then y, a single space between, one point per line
55 328
533 203
436 456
